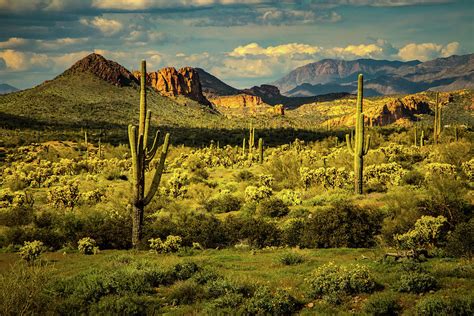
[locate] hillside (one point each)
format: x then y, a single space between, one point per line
6 88
383 77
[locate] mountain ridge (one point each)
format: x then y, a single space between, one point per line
386 77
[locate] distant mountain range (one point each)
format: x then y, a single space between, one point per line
6 88
382 77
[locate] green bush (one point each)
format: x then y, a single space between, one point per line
256 231
291 258
291 232
185 292
125 305
264 302
382 304
461 240
445 306
272 207
223 203
416 282
31 250
87 246
171 244
244 175
331 279
341 225
184 271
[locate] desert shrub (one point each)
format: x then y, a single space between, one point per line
16 216
435 170
205 275
264 302
125 305
341 225
272 207
171 244
435 305
21 290
468 169
461 240
416 282
223 203
244 175
284 167
331 279
426 233
401 212
291 258
184 270
229 301
256 231
184 292
204 229
87 246
382 304
31 250
291 231
413 177
446 197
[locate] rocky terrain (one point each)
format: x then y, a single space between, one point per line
104 69
170 82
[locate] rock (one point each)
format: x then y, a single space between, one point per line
279 109
105 69
170 82
404 108
239 101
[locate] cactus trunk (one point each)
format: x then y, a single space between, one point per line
142 155
356 144
260 150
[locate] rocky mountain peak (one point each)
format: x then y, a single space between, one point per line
103 68
170 82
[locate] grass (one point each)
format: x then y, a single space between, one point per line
261 267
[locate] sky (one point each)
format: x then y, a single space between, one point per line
244 43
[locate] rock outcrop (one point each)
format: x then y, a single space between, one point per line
239 101
105 69
404 108
170 82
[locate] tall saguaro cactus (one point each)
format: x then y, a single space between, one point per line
358 147
142 155
260 150
251 138
437 120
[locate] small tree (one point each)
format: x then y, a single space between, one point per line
425 235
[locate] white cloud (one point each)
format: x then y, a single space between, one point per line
108 27
427 51
21 61
279 50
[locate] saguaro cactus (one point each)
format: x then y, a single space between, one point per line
243 147
437 120
360 148
86 144
260 150
416 136
142 155
251 138
422 139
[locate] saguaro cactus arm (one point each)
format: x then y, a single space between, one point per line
349 143
158 172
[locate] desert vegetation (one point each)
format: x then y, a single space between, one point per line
377 222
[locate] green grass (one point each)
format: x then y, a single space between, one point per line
261 267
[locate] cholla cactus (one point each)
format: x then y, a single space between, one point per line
360 147
31 250
142 155
87 246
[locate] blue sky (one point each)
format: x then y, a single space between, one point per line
245 42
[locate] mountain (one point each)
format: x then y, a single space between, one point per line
382 77
104 69
6 88
96 93
213 87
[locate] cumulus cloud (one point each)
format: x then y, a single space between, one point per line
20 61
279 50
108 27
427 51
